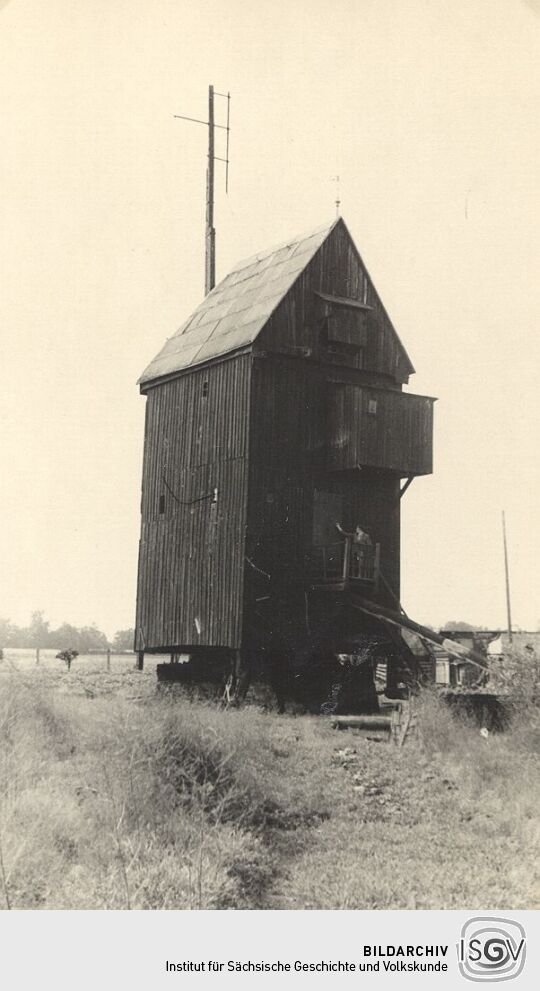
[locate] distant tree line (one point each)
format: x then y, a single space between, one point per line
67 637
460 624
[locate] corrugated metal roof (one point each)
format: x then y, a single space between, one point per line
236 310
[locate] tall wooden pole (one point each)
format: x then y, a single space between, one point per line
508 612
210 239
210 233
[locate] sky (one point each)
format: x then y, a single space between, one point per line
428 112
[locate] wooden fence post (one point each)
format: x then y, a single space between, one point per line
108 658
37 655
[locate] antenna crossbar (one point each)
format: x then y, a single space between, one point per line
196 120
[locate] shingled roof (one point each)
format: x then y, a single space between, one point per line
236 310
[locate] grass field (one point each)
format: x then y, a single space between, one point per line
24 659
115 795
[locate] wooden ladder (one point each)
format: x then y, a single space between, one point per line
404 722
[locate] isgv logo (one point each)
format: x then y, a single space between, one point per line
491 949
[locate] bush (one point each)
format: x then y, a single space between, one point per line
517 676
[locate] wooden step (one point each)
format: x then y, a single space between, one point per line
374 722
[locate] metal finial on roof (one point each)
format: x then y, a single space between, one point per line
335 178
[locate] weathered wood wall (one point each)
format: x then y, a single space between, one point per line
191 556
381 429
310 429
337 270
269 429
289 465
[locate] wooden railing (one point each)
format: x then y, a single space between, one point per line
343 562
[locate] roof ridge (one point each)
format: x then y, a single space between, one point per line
261 255
232 315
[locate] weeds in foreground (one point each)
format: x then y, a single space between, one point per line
450 821
498 773
109 804
104 804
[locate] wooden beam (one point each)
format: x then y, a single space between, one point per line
374 722
404 488
343 301
397 619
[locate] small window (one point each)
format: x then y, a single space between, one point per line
161 509
205 389
372 406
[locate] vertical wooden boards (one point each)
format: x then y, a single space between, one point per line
380 428
194 508
289 466
236 450
337 270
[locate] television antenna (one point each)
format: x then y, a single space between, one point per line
210 231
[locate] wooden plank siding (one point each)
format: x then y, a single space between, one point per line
379 428
284 435
335 270
191 557
312 415
289 465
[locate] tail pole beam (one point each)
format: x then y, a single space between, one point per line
398 619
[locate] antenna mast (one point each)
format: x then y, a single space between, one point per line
210 235
508 612
210 231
